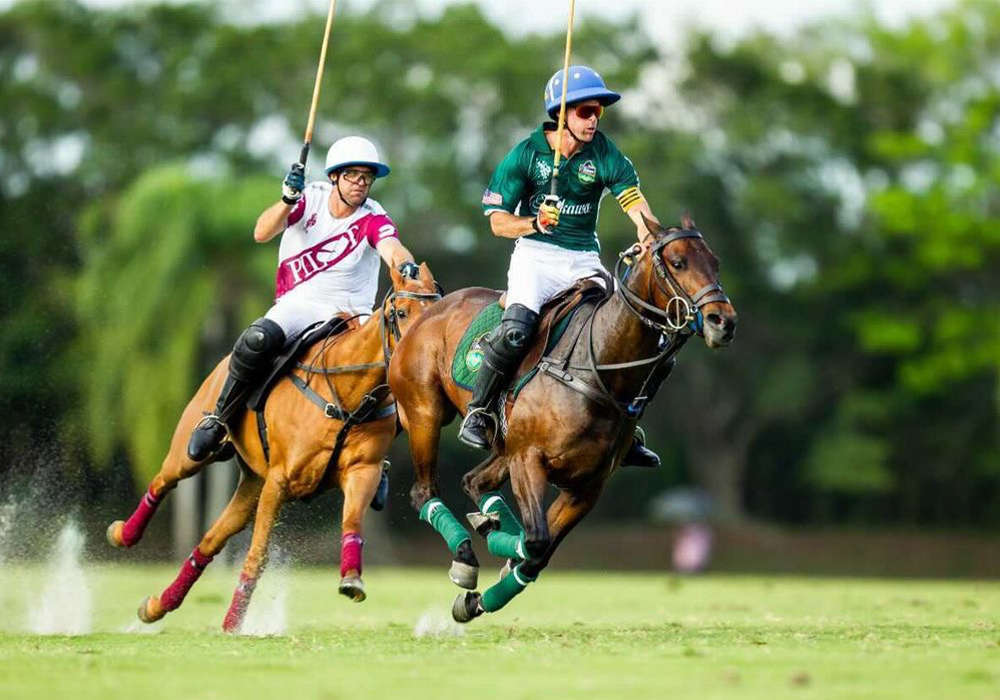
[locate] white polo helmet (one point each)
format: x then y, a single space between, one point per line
355 150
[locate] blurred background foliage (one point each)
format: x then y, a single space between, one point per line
846 175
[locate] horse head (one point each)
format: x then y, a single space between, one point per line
409 298
680 284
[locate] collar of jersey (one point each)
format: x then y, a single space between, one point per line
540 144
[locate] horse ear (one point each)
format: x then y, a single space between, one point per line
425 272
395 277
686 221
652 226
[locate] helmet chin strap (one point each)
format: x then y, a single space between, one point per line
336 183
570 132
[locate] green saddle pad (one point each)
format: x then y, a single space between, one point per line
469 354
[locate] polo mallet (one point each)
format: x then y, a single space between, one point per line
552 197
307 141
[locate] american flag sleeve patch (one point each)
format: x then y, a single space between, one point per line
629 198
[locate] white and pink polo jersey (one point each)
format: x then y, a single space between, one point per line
327 263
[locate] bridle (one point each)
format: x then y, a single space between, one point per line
680 319
389 322
682 312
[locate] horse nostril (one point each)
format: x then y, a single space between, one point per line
715 320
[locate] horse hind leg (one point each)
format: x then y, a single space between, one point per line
501 528
528 478
233 519
424 426
176 466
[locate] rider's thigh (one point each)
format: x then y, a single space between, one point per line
294 317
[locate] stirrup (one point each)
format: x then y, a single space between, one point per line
198 447
210 419
489 416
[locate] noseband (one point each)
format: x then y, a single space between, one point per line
682 312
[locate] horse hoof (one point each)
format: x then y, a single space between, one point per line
115 538
150 610
464 575
467 606
352 587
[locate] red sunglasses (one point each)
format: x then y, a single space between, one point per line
588 111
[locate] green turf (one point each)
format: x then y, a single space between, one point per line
569 635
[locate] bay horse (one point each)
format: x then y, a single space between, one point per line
305 449
571 423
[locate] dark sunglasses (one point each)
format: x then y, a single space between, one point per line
588 111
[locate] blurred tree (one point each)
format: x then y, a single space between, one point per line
846 176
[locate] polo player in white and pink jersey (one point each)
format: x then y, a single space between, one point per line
328 264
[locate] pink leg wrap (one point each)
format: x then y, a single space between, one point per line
173 595
134 526
241 601
350 552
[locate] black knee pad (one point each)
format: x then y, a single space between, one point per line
255 349
513 336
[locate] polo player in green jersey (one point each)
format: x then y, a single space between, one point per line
556 238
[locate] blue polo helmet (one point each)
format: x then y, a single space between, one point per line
584 84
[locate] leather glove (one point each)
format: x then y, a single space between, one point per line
548 214
409 269
293 184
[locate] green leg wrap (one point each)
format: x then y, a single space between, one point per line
493 502
444 521
504 590
501 544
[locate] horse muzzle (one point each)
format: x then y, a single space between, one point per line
719 328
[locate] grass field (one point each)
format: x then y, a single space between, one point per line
569 635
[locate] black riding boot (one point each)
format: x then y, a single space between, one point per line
638 454
503 352
252 355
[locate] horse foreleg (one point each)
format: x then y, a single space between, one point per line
233 519
272 497
565 512
359 484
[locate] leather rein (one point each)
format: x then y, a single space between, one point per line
680 318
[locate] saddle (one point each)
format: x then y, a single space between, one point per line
555 317
556 310
294 349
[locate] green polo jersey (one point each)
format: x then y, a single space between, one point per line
524 177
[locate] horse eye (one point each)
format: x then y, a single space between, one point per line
677 263
401 313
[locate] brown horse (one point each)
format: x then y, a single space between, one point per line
572 422
343 374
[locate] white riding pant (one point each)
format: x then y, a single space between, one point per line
538 271
295 315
